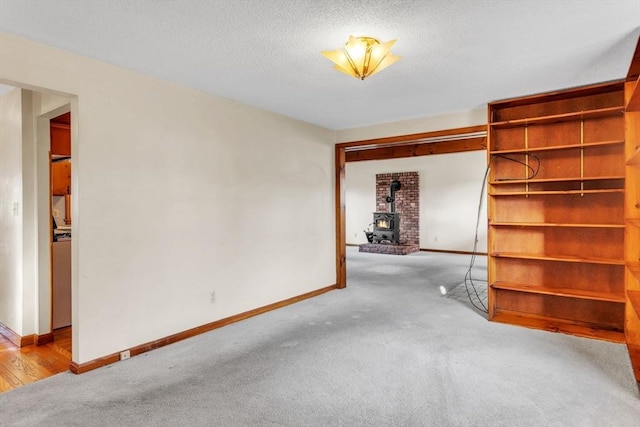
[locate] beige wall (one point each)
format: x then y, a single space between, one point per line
11 209
177 194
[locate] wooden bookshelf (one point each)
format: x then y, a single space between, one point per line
560 147
559 118
559 325
559 258
557 190
559 291
543 224
632 212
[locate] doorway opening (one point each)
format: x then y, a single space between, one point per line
61 235
457 140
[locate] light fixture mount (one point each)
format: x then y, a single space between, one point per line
362 56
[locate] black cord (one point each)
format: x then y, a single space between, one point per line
533 172
468 279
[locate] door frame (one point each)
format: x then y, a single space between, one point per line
45 248
456 140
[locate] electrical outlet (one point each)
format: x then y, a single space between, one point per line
212 297
124 355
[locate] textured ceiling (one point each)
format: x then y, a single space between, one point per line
456 55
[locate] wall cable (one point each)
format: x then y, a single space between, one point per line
468 279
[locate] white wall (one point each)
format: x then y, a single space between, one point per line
11 298
450 184
177 194
450 190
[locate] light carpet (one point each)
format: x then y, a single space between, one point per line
388 350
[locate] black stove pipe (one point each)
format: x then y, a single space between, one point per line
393 187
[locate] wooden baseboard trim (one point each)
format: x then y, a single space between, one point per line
80 368
8 333
453 252
352 244
44 339
17 340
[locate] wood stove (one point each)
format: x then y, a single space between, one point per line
386 227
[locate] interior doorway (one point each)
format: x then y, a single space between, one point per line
456 140
61 235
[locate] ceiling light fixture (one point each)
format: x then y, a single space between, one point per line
362 57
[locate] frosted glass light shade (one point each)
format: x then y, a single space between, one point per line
362 57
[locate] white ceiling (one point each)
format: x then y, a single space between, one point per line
456 54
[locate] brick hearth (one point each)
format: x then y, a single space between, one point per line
389 249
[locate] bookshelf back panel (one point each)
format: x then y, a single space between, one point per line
507 139
599 313
571 185
507 167
602 278
553 134
568 163
604 208
604 161
604 129
582 243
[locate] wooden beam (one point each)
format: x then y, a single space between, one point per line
412 138
341 228
418 149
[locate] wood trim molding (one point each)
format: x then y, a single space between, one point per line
79 368
412 138
44 339
453 252
341 219
16 339
419 149
10 335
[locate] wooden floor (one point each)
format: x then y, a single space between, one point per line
20 366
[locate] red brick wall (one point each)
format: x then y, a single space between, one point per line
407 202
